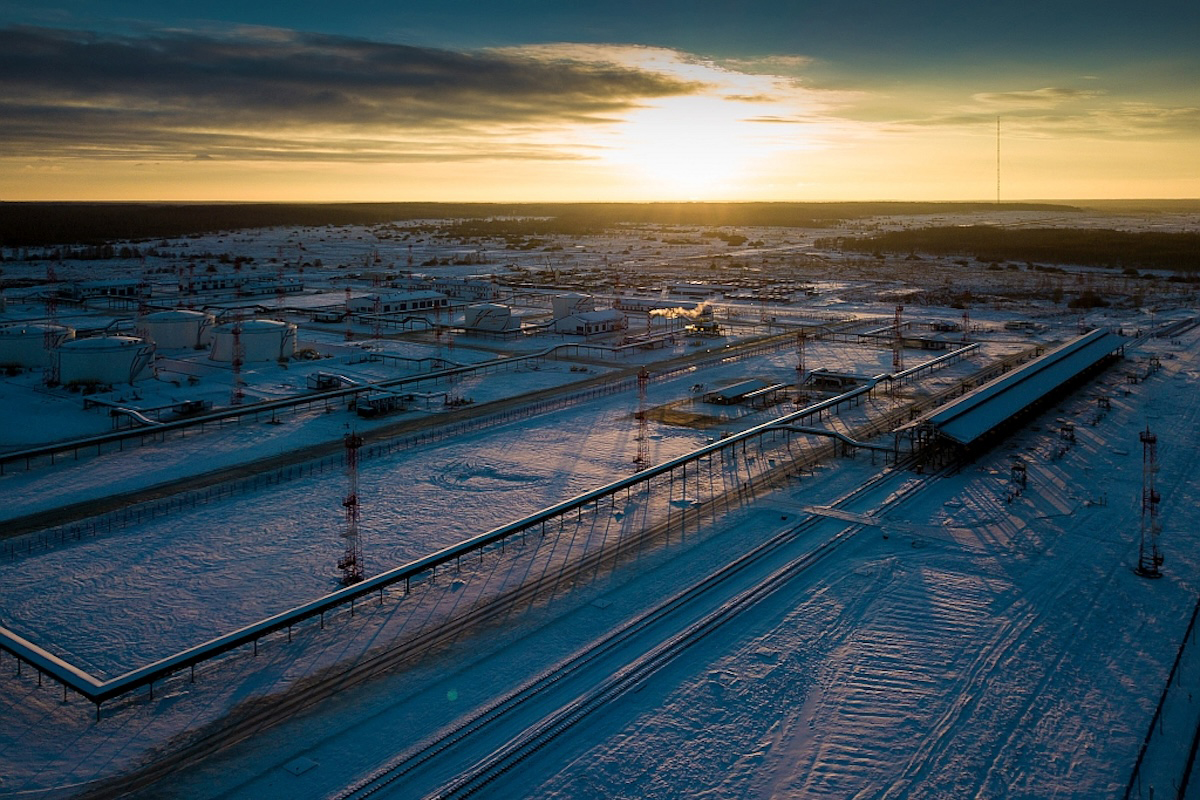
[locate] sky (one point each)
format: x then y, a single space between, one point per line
705 100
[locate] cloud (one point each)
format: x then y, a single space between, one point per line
1116 121
1034 98
278 94
1049 113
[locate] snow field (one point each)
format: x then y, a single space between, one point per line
1024 663
119 600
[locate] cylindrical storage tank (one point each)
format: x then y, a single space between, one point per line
31 344
489 317
104 360
261 340
177 328
571 303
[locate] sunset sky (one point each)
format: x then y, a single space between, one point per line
600 101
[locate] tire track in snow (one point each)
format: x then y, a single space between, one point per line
894 672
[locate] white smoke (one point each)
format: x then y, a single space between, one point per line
699 311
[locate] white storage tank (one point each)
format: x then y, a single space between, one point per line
261 340
104 360
566 305
177 328
490 317
31 344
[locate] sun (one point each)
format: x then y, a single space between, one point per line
689 148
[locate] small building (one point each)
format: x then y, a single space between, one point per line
731 395
589 323
828 380
632 303
468 289
697 290
88 290
406 302
240 284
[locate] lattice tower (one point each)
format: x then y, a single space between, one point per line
238 358
801 337
351 562
898 341
51 338
642 460
1149 557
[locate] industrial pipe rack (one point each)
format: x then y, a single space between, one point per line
98 691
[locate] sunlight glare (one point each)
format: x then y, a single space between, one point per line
694 147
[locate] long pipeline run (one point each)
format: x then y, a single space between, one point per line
98 691
162 428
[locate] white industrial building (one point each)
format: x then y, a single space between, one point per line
87 290
411 302
589 323
576 314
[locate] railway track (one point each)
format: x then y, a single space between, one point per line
628 677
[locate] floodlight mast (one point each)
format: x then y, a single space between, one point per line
1150 558
351 563
642 459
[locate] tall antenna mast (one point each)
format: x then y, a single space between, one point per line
997 161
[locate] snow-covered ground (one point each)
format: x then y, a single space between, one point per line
982 648
988 645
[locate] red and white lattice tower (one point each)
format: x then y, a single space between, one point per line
1149 558
51 338
966 324
237 359
349 317
191 285
898 341
351 562
642 459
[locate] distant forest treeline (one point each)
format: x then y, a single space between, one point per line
48 224
1092 248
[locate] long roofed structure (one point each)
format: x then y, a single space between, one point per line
971 421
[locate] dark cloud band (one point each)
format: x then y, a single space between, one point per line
270 93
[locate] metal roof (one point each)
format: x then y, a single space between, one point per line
735 392
972 415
